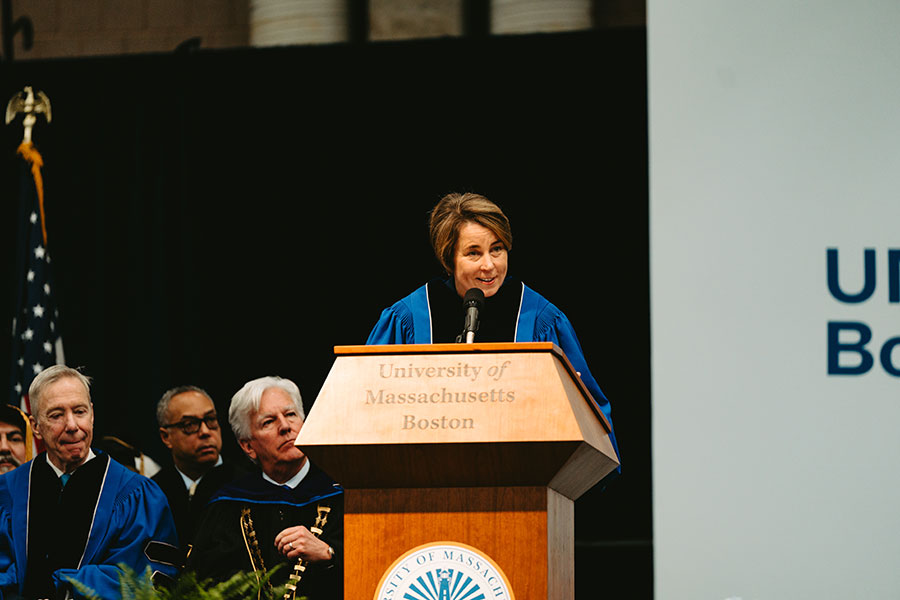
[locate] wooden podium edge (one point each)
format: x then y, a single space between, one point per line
487 348
446 348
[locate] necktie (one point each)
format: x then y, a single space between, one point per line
63 480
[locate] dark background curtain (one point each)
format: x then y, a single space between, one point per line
216 216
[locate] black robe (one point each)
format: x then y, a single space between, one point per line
55 543
496 320
187 510
219 549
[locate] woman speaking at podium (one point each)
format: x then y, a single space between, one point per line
471 238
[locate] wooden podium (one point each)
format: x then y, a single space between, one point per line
458 456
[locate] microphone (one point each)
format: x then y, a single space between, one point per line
473 303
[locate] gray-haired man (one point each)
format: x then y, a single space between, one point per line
73 513
288 512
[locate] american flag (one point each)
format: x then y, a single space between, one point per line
37 343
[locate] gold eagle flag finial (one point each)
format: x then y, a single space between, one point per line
30 103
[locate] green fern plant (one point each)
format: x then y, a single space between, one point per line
241 586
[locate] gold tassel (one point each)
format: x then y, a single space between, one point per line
29 439
252 546
30 153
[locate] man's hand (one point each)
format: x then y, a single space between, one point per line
299 542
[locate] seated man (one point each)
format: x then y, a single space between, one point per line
14 447
189 428
72 513
291 513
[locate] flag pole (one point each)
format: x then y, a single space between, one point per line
31 104
36 339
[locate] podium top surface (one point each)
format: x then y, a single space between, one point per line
450 348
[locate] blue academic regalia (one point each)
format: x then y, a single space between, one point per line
409 321
130 511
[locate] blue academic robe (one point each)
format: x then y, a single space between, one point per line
130 511
408 321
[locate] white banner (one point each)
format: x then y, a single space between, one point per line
775 285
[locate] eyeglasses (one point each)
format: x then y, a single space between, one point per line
191 425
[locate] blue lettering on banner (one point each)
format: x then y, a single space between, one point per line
865 361
887 351
858 359
868 287
894 275
836 348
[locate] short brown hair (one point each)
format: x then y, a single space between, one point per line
452 212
